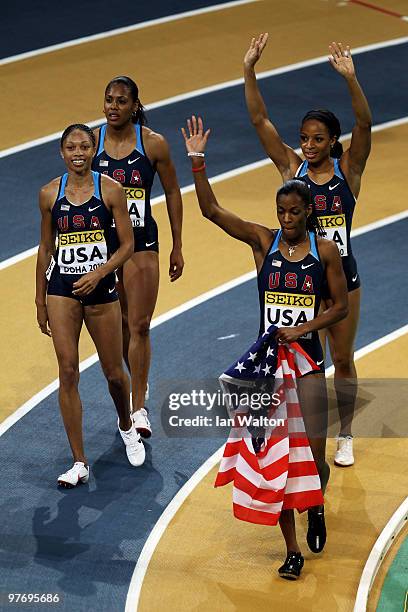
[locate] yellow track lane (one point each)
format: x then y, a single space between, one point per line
30 358
386 362
67 86
207 560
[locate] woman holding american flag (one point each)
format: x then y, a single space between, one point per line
294 265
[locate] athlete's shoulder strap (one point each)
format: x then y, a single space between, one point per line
102 132
61 190
339 173
97 184
313 245
302 170
337 169
139 139
275 243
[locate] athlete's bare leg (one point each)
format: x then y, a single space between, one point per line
65 318
314 406
313 402
341 342
103 322
140 278
288 528
323 333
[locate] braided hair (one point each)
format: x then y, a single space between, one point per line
301 188
333 125
77 126
139 116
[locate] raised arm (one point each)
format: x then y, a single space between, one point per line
159 151
354 159
253 234
338 308
284 158
115 199
45 252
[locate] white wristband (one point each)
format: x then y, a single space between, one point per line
195 154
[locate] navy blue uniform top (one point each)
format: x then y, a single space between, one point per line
134 172
290 292
82 231
334 203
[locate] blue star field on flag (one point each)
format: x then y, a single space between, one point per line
259 361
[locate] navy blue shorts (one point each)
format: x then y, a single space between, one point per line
314 349
351 274
350 271
146 238
105 291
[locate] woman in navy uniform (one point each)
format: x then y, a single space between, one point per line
293 265
334 178
131 153
75 283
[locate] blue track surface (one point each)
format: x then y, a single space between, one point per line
233 142
84 543
69 21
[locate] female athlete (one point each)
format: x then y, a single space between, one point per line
294 263
334 179
75 283
131 153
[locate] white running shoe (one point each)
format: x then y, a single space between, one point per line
142 423
78 473
344 453
135 449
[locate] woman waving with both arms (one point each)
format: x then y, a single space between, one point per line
334 179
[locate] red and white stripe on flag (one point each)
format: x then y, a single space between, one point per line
283 475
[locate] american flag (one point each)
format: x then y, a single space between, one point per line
272 468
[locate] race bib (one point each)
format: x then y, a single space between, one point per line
81 252
135 197
288 310
335 228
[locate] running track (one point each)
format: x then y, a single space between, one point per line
51 539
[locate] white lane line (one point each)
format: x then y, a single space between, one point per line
6 263
135 587
373 346
356 232
158 530
159 320
40 396
206 90
227 337
160 527
170 511
237 172
122 30
398 520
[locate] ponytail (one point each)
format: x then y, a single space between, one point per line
313 225
140 116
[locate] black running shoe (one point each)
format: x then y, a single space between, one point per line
316 533
292 567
